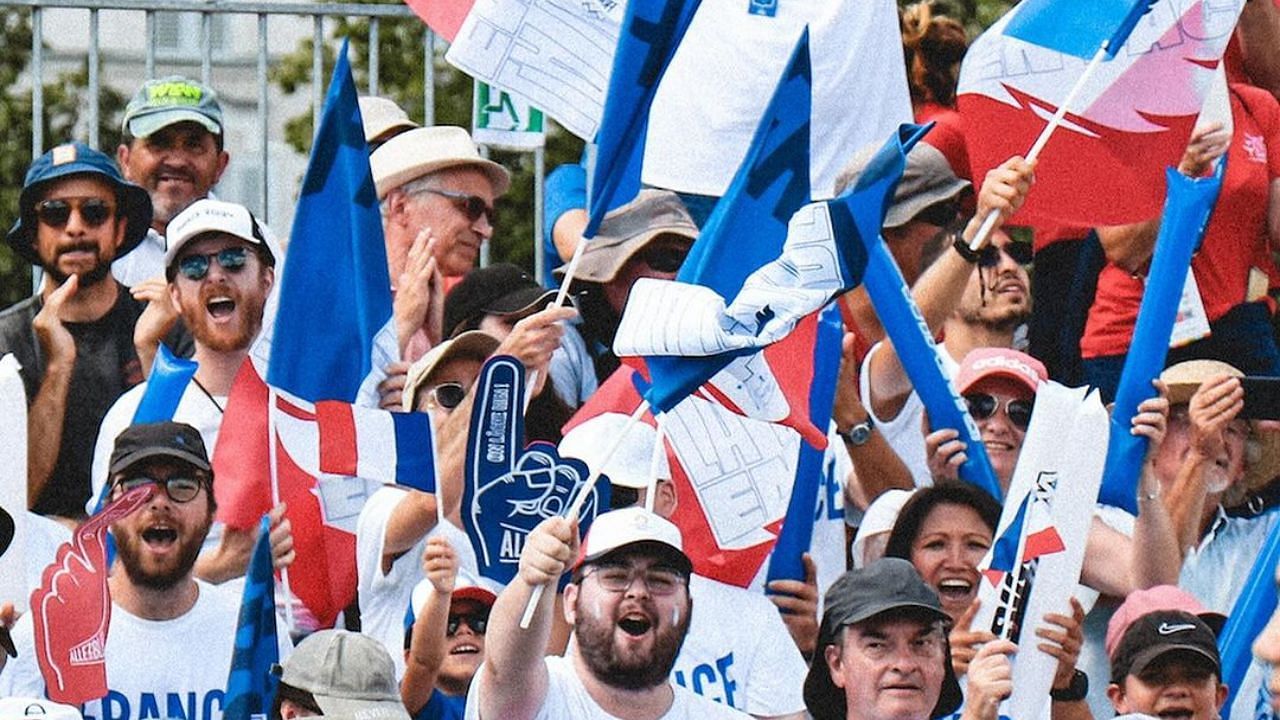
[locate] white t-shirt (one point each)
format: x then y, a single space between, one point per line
384 597
567 698
143 262
905 432
195 409
738 651
44 537
155 669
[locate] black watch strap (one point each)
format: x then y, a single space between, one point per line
962 247
1076 691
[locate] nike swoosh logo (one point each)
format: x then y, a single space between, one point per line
1167 629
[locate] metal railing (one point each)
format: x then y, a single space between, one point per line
263 11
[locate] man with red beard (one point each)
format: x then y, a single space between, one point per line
629 607
172 636
74 338
220 272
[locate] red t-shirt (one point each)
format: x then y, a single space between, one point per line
1235 240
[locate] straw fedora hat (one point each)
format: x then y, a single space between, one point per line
1184 378
420 151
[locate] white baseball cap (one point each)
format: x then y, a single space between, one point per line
25 708
619 529
629 464
206 216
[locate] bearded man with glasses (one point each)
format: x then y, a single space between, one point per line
172 636
629 606
220 271
74 338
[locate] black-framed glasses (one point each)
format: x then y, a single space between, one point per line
617 578
93 211
663 258
180 489
448 395
983 406
196 266
477 621
1019 252
473 206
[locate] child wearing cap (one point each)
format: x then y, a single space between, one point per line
444 636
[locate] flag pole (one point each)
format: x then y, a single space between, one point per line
655 460
580 496
275 500
989 222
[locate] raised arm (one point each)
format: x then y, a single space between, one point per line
428 642
513 680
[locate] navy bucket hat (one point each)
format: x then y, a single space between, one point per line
65 161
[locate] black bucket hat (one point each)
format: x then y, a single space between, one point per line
65 161
887 585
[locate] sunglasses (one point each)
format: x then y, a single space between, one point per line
179 489
478 622
93 211
983 406
939 214
1019 252
473 206
195 267
663 259
448 395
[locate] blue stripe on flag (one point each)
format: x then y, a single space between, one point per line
415 462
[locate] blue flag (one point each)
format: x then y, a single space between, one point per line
1248 616
1077 27
748 227
1188 206
251 687
786 563
335 293
510 488
651 32
165 386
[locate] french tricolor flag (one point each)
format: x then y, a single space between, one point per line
1041 538
389 447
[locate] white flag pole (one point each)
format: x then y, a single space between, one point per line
655 461
580 496
275 500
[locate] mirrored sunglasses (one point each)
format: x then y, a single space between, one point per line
56 213
232 259
983 406
478 622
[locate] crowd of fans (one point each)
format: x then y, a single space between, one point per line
136 252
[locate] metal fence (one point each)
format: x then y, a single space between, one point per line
264 13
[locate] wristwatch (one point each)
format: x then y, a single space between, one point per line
859 433
1076 691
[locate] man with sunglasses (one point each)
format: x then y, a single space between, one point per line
437 195
74 338
972 298
172 636
629 607
220 273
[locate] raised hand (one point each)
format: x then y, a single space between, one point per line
419 301
55 340
548 551
72 608
798 603
965 642
281 537
157 318
440 565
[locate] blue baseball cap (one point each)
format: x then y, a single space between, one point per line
77 159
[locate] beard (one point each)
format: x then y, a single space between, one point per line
93 276
225 339
130 550
607 663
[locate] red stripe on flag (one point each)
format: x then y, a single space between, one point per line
442 16
1043 542
338 453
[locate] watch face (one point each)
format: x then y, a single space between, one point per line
859 434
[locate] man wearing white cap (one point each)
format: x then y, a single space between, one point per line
220 273
437 197
737 651
630 608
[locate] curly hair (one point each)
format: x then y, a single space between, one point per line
933 45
